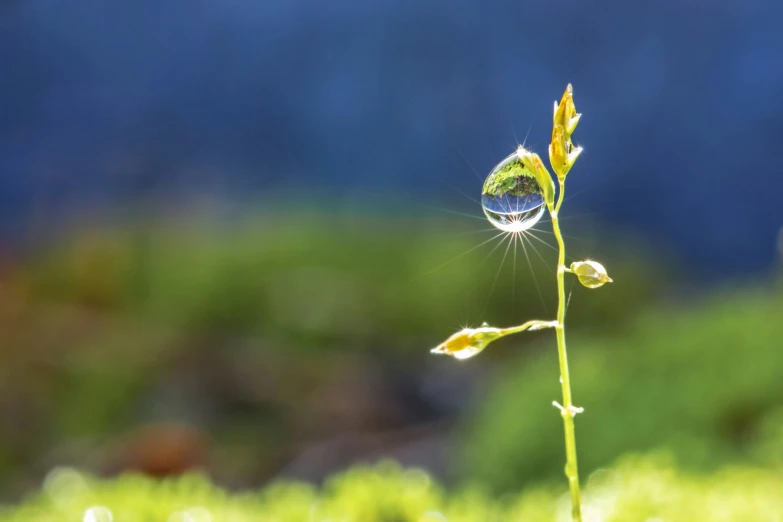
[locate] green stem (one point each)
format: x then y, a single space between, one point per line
530 325
568 411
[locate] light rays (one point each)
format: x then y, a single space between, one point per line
521 236
500 269
518 235
466 252
516 217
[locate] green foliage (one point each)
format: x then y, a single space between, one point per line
639 488
704 382
104 331
315 280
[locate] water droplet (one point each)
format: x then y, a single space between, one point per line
97 514
511 197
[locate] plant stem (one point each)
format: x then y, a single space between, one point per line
567 412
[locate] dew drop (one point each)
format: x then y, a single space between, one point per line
511 197
97 514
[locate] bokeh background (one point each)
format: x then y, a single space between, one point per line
231 230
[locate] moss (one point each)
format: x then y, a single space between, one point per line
638 488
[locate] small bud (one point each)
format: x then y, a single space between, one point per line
590 273
468 342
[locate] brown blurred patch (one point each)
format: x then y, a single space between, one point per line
159 450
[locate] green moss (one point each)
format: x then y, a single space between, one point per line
638 488
511 179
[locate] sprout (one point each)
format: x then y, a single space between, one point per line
512 201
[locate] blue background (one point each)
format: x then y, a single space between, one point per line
348 101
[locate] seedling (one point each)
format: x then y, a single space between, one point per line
514 197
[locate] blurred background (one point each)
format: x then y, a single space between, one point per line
230 231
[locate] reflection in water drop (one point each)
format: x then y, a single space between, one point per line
97 514
511 197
